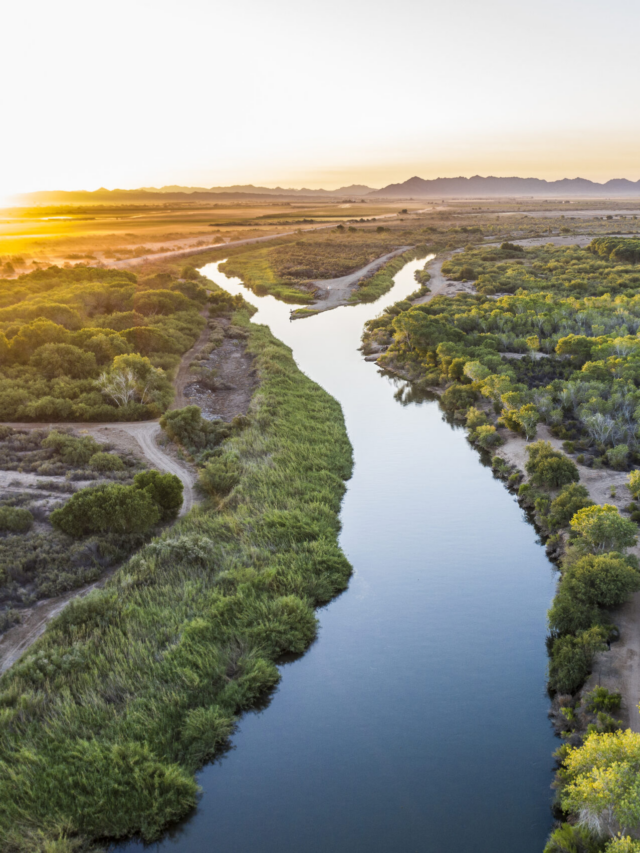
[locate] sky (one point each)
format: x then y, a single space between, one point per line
131 93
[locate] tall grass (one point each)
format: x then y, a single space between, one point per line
105 720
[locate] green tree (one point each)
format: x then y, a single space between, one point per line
602 528
572 659
55 360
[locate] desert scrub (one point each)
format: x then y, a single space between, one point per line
133 687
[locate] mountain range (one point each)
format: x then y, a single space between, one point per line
414 188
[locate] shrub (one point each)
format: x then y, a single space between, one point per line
72 450
486 436
14 519
603 581
548 467
106 462
459 397
476 418
572 839
189 428
602 528
572 659
164 489
104 509
617 456
572 497
220 475
634 482
599 699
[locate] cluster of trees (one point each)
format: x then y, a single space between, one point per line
574 359
93 344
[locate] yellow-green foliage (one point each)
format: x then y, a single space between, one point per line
60 329
107 717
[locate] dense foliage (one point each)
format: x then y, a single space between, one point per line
89 344
132 688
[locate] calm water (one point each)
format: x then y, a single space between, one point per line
417 721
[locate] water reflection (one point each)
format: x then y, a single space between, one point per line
417 721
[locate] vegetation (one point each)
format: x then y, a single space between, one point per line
133 687
87 344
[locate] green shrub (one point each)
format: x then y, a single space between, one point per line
548 467
572 659
459 397
617 456
220 475
599 699
72 450
164 489
189 428
105 509
14 519
572 497
487 437
106 462
572 839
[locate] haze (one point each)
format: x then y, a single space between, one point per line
139 93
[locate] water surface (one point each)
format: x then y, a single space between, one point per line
417 721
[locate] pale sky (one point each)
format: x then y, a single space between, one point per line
131 93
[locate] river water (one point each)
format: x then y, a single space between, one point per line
418 719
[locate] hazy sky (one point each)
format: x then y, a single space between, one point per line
131 93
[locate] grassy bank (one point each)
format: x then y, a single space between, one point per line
381 282
131 689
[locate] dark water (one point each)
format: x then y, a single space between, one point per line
417 721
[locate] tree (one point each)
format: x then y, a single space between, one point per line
132 378
602 783
57 360
602 528
164 489
107 509
606 580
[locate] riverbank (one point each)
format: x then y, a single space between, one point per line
184 636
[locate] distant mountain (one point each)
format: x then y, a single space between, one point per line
478 187
177 193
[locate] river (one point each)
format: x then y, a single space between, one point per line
418 719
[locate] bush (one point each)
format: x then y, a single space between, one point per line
548 467
106 462
189 428
572 839
599 699
459 397
220 475
13 519
634 482
72 450
572 498
105 509
164 489
486 436
617 456
572 659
